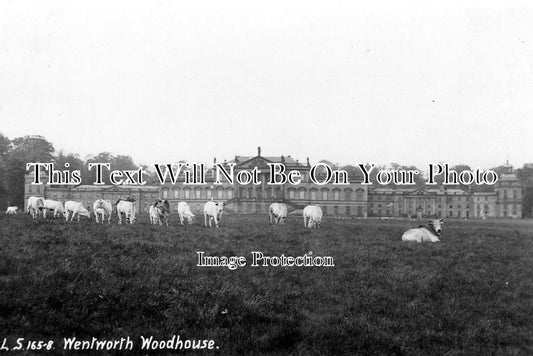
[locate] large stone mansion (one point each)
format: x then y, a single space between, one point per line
353 200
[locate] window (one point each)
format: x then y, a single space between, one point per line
209 194
336 195
220 194
230 194
302 194
176 193
165 194
313 194
347 210
291 194
198 194
359 194
324 195
187 193
347 194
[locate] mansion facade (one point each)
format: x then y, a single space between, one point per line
352 200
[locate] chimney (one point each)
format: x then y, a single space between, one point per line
259 151
308 165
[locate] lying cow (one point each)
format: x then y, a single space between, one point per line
312 216
184 212
55 206
277 213
35 206
213 211
127 208
430 233
102 208
12 210
76 208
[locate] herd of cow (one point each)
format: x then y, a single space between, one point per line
160 210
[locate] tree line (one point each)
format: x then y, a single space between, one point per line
15 153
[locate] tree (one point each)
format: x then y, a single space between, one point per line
89 176
123 163
5 148
525 174
23 150
119 162
33 149
5 145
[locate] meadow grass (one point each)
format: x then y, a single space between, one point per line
471 294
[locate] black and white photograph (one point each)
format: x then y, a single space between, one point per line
266 178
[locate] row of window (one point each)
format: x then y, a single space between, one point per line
249 193
509 194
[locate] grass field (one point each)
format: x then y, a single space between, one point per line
472 294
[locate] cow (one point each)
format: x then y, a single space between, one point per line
12 210
184 212
127 208
430 233
314 214
277 213
213 211
154 214
76 208
35 206
102 208
159 212
56 206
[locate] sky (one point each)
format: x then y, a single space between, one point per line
164 81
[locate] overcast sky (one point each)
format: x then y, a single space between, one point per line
165 81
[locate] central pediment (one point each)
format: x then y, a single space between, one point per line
259 162
115 188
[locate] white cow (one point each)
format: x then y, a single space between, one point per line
35 206
127 208
102 208
213 211
56 206
76 208
277 213
314 214
12 210
154 214
184 212
429 233
159 212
